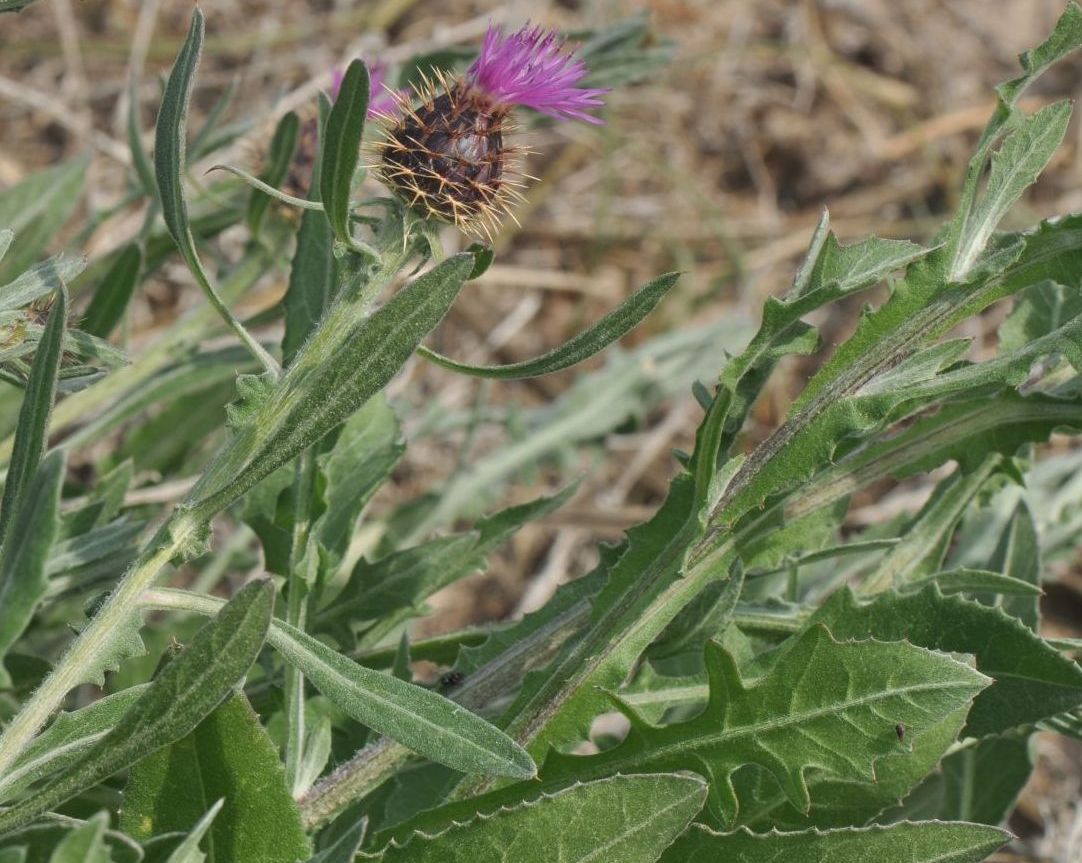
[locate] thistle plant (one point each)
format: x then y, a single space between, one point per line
792 690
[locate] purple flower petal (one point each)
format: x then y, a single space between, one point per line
381 100
531 67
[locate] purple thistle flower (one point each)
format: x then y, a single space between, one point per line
533 68
447 154
381 99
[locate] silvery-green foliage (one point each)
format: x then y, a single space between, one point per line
791 691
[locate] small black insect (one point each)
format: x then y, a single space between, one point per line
899 729
451 678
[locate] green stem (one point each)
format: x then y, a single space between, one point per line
82 661
269 363
297 612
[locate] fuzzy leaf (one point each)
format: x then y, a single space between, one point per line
312 273
227 757
981 581
32 431
932 842
365 452
170 158
1015 166
23 579
585 344
422 720
341 147
114 293
396 585
38 842
622 819
1032 681
343 365
186 690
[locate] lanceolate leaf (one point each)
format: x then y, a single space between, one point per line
830 272
1032 681
422 720
344 848
39 841
399 583
227 757
590 341
33 427
115 291
23 580
170 158
627 819
170 163
341 148
186 690
312 274
343 365
931 842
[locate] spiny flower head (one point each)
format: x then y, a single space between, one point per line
447 155
382 100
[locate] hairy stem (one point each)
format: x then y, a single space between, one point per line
82 660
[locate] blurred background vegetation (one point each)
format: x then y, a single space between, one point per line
750 117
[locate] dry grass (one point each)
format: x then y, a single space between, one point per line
771 110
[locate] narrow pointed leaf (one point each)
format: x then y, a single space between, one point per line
343 365
114 293
48 276
345 847
1015 167
282 147
341 148
32 430
585 344
84 844
25 553
424 721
